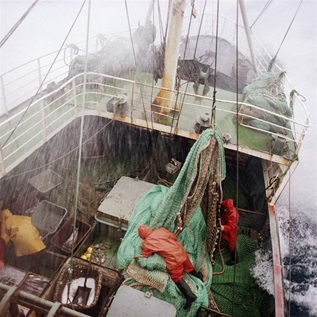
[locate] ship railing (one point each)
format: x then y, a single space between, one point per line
23 82
26 130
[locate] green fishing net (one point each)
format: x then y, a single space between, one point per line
266 92
159 208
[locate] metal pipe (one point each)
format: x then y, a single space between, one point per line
248 34
4 100
32 301
277 264
173 42
2 166
149 13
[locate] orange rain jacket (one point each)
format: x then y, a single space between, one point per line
230 220
164 243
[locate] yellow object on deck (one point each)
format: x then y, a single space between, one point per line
21 232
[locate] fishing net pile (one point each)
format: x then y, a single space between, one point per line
175 207
266 92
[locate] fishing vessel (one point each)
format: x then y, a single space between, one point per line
156 127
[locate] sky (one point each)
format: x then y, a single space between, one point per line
46 26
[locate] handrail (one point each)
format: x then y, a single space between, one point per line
67 83
60 106
7 293
228 25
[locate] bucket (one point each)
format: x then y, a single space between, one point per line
47 217
65 232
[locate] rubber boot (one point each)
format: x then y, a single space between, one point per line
233 258
187 292
197 274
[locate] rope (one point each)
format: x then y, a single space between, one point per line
189 27
131 38
221 257
262 11
185 50
81 122
196 44
8 35
237 152
160 20
42 83
274 58
200 25
56 160
213 108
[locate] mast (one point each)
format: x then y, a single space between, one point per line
149 13
164 97
248 34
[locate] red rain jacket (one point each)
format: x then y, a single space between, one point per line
164 243
230 220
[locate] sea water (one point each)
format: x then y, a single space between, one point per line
299 255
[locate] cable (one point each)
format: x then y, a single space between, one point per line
131 38
213 108
200 25
262 11
81 124
237 151
8 35
189 27
40 87
56 160
274 58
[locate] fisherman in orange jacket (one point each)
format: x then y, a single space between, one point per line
165 243
228 226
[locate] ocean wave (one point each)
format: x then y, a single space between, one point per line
299 254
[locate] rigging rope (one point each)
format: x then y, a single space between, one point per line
42 83
274 58
131 38
189 27
57 159
178 84
262 11
200 25
160 21
161 31
237 153
213 108
8 35
196 44
81 125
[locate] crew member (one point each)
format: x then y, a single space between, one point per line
165 243
228 226
20 231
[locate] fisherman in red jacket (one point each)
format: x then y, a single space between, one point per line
228 226
165 243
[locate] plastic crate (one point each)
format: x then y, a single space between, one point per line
46 181
66 230
47 217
